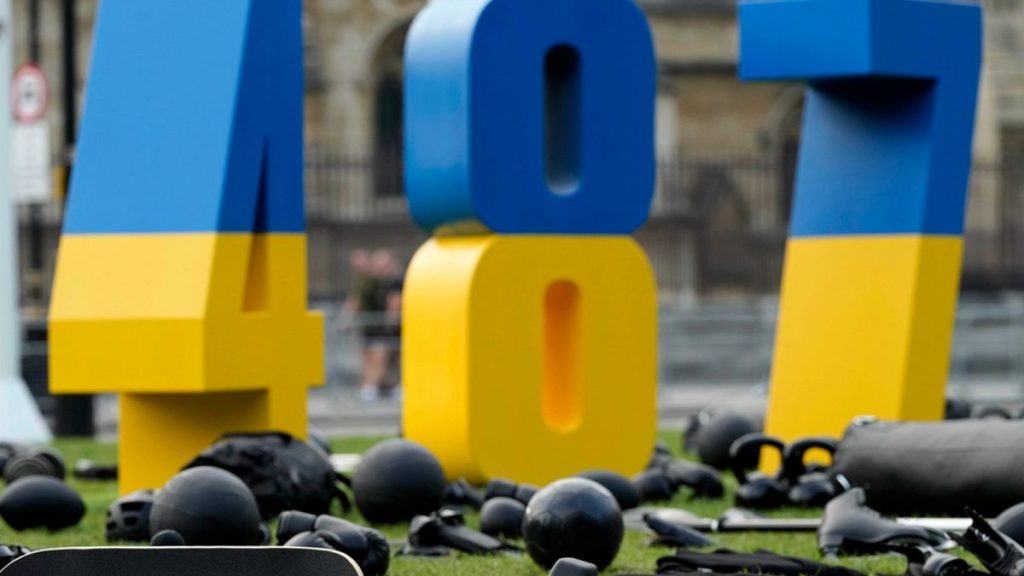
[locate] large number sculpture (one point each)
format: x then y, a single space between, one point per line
529 319
181 276
872 266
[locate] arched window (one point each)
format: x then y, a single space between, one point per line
387 114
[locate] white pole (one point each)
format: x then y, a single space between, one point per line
20 420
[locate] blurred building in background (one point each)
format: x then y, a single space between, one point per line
727 152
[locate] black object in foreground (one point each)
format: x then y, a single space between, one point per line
366 546
625 492
41 502
208 507
462 493
500 487
573 567
937 468
1011 523
428 535
758 490
167 538
575 518
924 561
703 480
175 561
850 527
739 520
10 552
502 517
718 435
397 480
811 486
676 534
726 561
128 517
40 461
283 472
996 551
653 485
89 470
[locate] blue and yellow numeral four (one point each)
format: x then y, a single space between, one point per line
181 275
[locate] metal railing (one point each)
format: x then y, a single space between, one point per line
731 342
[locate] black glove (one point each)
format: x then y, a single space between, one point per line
366 546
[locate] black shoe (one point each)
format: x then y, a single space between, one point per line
850 527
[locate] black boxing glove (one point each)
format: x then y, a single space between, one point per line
366 546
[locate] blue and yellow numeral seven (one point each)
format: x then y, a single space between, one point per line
181 275
873 261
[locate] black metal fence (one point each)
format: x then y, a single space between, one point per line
717 225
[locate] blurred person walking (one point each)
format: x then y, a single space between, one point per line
376 306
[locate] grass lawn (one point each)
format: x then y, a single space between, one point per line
634 556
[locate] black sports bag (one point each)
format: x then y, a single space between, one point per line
935 467
284 473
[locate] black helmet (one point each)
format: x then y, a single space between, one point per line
128 517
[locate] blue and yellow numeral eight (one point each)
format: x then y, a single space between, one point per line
529 320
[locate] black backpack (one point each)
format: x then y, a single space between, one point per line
283 472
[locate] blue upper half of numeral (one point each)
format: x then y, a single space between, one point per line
889 112
193 119
530 116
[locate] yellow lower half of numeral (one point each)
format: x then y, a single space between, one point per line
530 357
865 328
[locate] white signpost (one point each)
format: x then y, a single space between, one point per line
30 137
20 420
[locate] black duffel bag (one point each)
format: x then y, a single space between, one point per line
284 473
935 467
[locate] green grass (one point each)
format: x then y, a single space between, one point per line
635 556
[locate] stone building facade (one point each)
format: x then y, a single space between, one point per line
726 148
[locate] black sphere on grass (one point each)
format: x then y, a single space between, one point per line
575 518
502 517
397 480
717 436
207 506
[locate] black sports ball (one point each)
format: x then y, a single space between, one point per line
502 517
574 518
207 506
717 436
41 502
621 488
397 480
